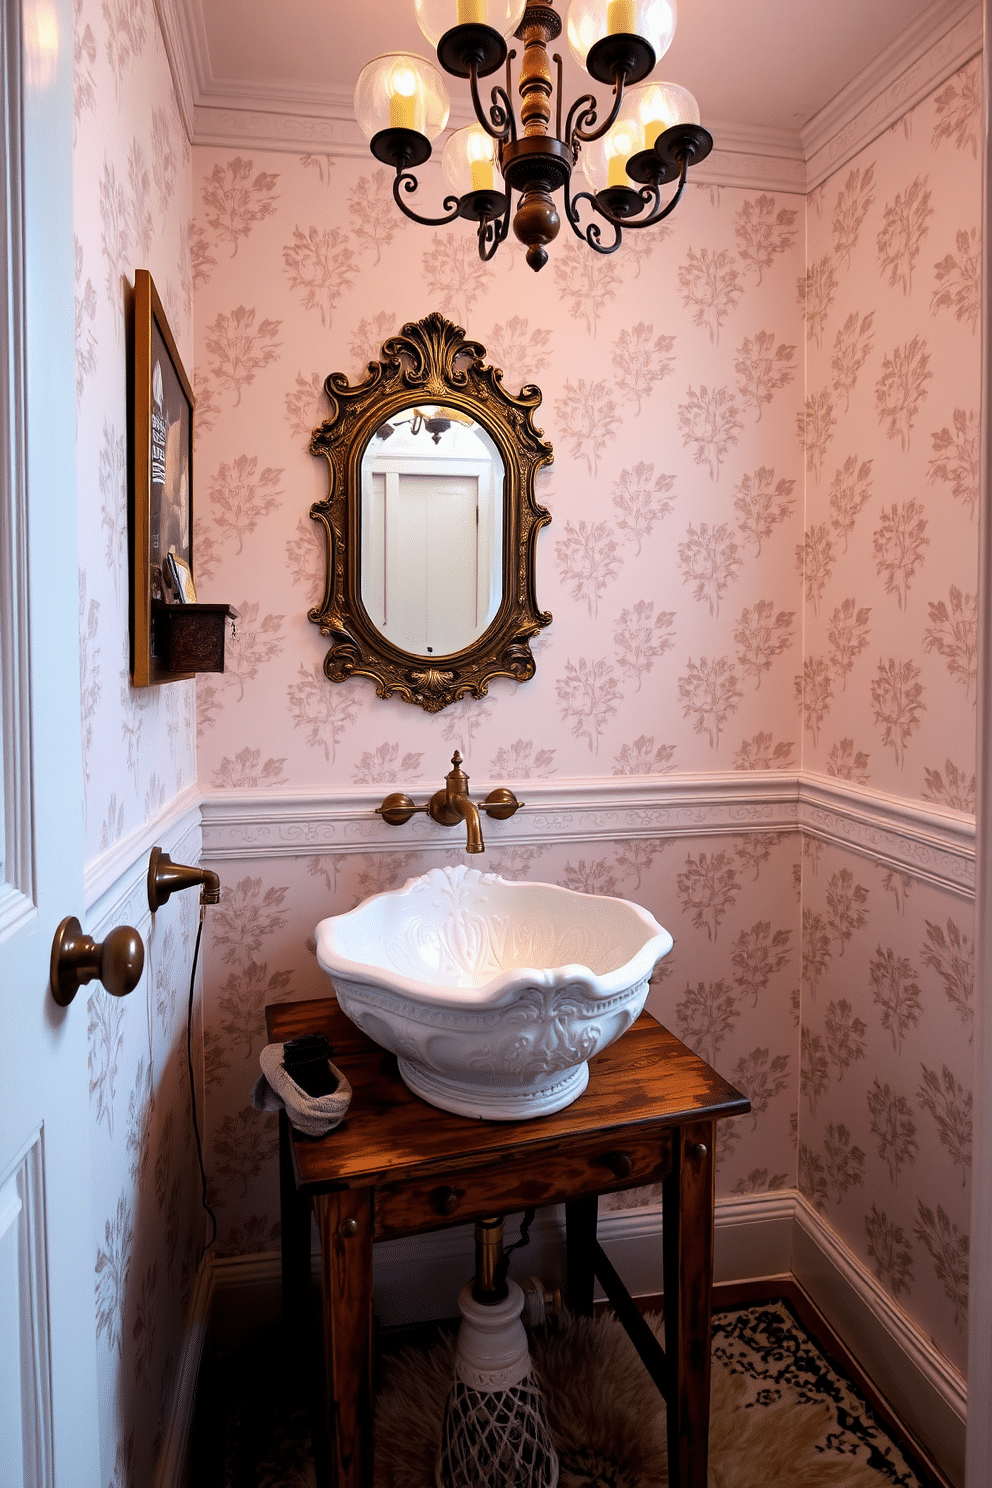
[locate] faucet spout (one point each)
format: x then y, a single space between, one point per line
454 804
469 813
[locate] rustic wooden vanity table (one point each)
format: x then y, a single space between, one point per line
397 1166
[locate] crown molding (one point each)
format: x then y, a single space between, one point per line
754 158
925 55
905 836
230 114
181 25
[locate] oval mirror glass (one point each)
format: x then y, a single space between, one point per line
431 540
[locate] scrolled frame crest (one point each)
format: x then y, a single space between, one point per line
428 361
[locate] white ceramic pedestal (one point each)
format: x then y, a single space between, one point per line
506 1404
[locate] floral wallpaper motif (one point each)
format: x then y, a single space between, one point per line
762 558
888 558
132 180
651 411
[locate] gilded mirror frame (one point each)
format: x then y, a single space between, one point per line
429 361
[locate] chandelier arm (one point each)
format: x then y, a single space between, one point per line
494 232
501 124
593 233
410 183
589 117
646 193
585 108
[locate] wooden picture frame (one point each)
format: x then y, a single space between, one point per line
160 506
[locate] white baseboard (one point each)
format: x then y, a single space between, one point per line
171 1467
923 1388
757 1236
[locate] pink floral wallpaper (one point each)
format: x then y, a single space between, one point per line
671 392
132 204
889 563
762 558
890 424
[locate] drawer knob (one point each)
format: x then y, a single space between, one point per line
620 1164
698 1151
445 1200
347 1228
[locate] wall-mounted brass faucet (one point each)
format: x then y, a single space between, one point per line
453 804
165 877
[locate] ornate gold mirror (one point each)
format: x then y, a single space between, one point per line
430 521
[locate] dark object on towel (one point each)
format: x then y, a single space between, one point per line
305 1061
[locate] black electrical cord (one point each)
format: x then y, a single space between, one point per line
503 1268
192 1086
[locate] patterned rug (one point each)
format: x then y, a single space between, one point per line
782 1415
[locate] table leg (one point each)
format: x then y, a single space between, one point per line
344 1219
294 1215
687 1248
580 1243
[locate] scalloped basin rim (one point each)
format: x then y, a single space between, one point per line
477 910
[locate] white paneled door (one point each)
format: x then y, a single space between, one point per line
48 1402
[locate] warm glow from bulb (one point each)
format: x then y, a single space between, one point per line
402 88
479 153
620 145
655 117
471 12
41 43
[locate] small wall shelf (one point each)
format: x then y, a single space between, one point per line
189 638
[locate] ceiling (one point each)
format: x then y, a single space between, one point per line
799 53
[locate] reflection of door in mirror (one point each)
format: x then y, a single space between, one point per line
431 538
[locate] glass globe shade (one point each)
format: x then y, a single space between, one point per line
469 162
400 90
590 21
655 107
435 17
604 161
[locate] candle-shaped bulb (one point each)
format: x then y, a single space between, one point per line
621 18
620 146
403 99
471 12
480 159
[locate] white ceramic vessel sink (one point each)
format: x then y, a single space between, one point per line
493 994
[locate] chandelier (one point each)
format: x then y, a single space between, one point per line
649 138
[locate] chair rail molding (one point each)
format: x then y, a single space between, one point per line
906 836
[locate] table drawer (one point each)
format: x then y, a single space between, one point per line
555 1172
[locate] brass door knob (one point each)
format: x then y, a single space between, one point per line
117 961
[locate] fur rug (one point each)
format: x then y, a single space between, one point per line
781 1416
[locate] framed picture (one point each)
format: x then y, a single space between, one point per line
161 495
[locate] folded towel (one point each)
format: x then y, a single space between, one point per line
274 1090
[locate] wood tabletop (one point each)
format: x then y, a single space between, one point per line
646 1076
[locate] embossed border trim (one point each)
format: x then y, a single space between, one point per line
907 836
